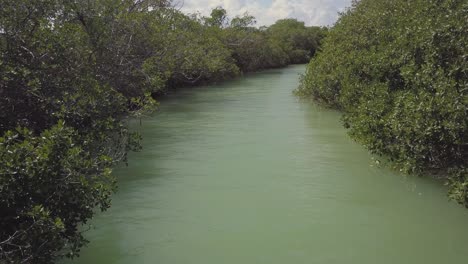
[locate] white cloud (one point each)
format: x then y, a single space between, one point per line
313 12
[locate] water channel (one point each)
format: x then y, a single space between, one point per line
246 173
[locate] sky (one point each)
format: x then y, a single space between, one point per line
312 12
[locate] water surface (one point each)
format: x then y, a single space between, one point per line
245 173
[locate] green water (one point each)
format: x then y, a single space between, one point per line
245 173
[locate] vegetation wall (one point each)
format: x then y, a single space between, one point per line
399 72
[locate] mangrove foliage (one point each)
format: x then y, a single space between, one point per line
399 72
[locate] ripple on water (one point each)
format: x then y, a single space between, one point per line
244 172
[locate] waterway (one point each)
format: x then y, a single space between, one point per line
246 173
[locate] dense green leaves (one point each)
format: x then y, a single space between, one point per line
49 185
286 42
399 71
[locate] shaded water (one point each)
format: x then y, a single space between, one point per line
244 173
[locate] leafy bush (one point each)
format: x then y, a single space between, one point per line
50 185
399 71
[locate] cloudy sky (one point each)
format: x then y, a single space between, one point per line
313 12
